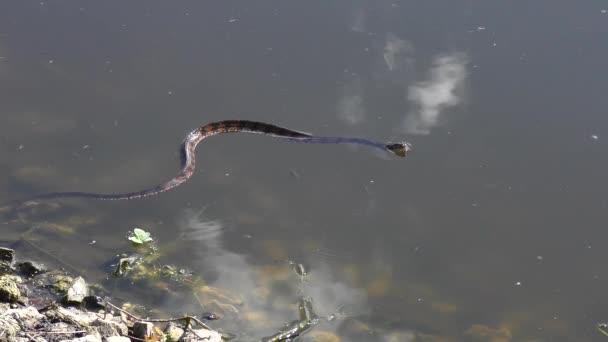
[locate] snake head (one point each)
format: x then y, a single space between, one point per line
400 148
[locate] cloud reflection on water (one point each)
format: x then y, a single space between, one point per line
440 91
234 272
427 99
350 106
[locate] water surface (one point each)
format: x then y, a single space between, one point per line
494 226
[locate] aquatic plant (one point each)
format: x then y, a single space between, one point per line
140 237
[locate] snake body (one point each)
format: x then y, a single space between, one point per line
188 160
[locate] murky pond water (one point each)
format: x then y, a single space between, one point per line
492 229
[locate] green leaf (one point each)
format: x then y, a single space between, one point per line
140 236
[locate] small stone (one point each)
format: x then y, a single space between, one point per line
110 328
77 291
143 330
9 291
87 338
173 331
209 316
62 283
199 335
29 269
93 303
7 254
118 339
5 267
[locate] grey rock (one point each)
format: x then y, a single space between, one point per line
72 315
14 320
174 332
93 303
87 338
118 339
121 327
77 291
7 254
27 339
200 335
142 330
62 326
6 259
29 269
109 328
5 267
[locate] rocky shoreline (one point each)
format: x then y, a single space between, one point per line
41 305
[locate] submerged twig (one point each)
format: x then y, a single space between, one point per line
308 319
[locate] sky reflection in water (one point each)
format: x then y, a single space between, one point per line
491 228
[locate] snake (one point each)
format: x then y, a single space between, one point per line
188 160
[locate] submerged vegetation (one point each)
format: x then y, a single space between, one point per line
143 266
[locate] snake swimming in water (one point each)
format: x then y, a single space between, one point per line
188 146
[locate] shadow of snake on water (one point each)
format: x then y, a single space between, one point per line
188 161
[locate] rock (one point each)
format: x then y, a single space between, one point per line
110 328
14 320
83 319
209 316
69 332
6 259
87 338
9 291
60 323
173 331
118 339
143 330
5 267
7 254
93 303
61 283
62 326
29 269
77 291
200 335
